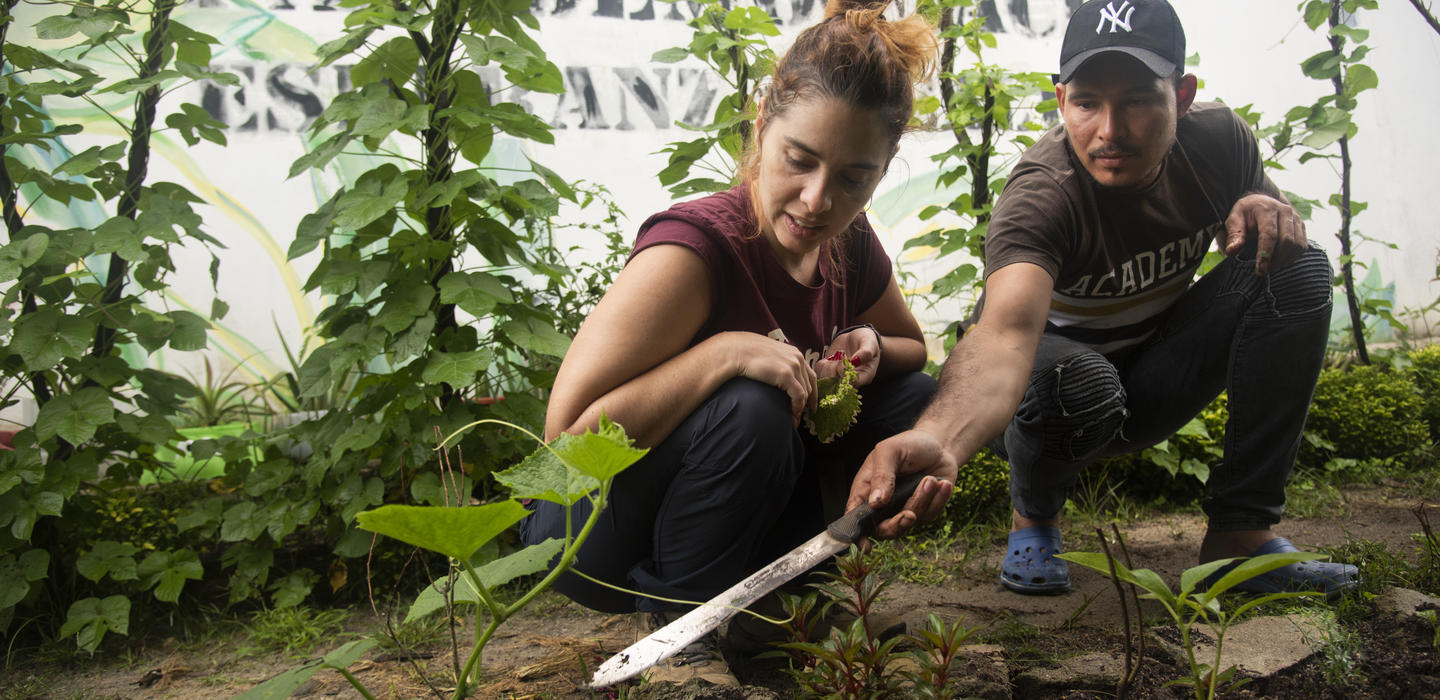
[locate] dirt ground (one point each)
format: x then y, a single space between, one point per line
552 648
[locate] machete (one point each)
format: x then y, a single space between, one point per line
838 536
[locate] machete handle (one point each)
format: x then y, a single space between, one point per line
861 519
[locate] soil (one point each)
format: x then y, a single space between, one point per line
550 650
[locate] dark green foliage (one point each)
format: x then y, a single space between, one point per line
1425 371
1367 412
77 299
982 490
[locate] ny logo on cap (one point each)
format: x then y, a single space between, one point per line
1112 14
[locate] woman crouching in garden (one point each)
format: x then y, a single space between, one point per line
708 346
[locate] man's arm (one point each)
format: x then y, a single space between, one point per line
982 383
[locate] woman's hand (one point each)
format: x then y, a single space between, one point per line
773 362
862 346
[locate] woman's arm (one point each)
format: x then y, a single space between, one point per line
630 358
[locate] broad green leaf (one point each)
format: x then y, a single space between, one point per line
671 55
458 369
1255 566
167 572
42 338
532 559
202 514
542 475
91 618
114 558
374 194
75 417
1359 78
21 253
536 337
243 522
396 60
1191 577
1196 428
1151 582
360 435
405 301
454 532
449 491
190 330
121 236
16 575
475 292
600 455
294 588
751 20
1322 66
285 684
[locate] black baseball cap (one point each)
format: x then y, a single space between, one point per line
1148 30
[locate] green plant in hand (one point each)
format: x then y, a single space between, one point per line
564 471
838 404
1192 604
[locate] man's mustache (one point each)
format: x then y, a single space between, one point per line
1111 152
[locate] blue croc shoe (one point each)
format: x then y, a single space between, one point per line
1030 565
1328 577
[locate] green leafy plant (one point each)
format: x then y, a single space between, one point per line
980 103
732 42
444 283
80 297
1365 412
1191 604
221 399
1314 128
1425 372
853 661
568 469
837 406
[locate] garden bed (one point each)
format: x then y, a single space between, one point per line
550 649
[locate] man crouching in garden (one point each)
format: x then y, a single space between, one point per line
1091 339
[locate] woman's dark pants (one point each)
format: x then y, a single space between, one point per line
733 487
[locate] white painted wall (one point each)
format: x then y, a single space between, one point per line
1249 54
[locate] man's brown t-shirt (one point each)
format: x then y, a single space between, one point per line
1121 257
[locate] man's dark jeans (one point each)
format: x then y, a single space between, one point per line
1260 338
732 488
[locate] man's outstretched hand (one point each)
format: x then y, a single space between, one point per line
1273 226
905 453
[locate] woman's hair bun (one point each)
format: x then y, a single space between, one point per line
844 7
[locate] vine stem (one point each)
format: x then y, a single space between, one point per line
1429 17
9 205
137 163
499 614
1347 264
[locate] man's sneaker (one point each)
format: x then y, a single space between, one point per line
701 659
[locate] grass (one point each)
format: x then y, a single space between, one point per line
1311 495
295 631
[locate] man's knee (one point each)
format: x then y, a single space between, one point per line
1086 406
1302 287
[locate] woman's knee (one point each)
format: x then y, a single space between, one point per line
746 407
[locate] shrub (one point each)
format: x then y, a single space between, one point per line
1425 371
982 488
1367 412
